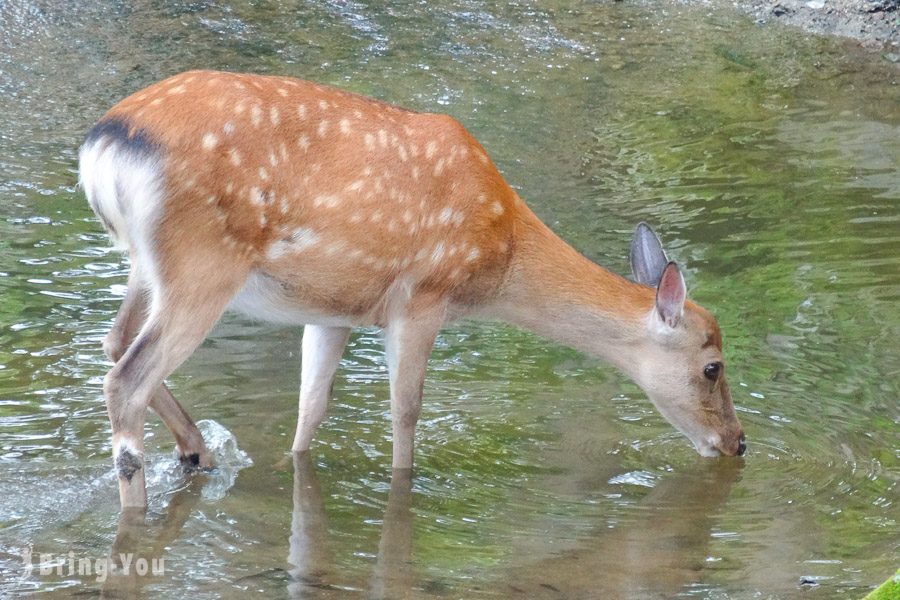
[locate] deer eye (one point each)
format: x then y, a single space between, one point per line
712 371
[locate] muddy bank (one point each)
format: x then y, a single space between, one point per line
874 23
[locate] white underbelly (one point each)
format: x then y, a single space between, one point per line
264 298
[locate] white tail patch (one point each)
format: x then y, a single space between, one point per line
124 188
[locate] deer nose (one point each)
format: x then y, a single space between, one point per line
742 446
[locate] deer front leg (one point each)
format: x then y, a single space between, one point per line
408 340
322 349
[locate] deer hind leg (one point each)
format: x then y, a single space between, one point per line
322 349
408 340
131 316
181 315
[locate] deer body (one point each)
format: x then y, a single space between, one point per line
299 203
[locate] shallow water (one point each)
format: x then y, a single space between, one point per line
769 163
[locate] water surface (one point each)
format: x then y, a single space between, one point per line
767 160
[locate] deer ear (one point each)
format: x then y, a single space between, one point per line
670 295
648 259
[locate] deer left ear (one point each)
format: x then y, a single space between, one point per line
648 259
670 295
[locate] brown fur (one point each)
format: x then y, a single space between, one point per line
413 181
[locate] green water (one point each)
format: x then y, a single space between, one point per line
769 162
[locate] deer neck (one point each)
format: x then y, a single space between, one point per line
555 292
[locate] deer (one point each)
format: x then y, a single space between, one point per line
299 203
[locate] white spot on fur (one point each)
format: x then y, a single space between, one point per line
370 141
445 215
323 128
301 111
326 200
497 208
256 196
345 126
274 116
382 138
210 141
301 239
323 104
473 255
303 142
256 115
228 128
335 248
438 253
430 149
263 174
439 167
235 157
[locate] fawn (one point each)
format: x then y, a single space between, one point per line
300 203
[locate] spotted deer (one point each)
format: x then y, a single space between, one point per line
302 204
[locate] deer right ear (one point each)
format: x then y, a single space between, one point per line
670 295
648 259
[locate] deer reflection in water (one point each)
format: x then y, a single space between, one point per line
656 552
